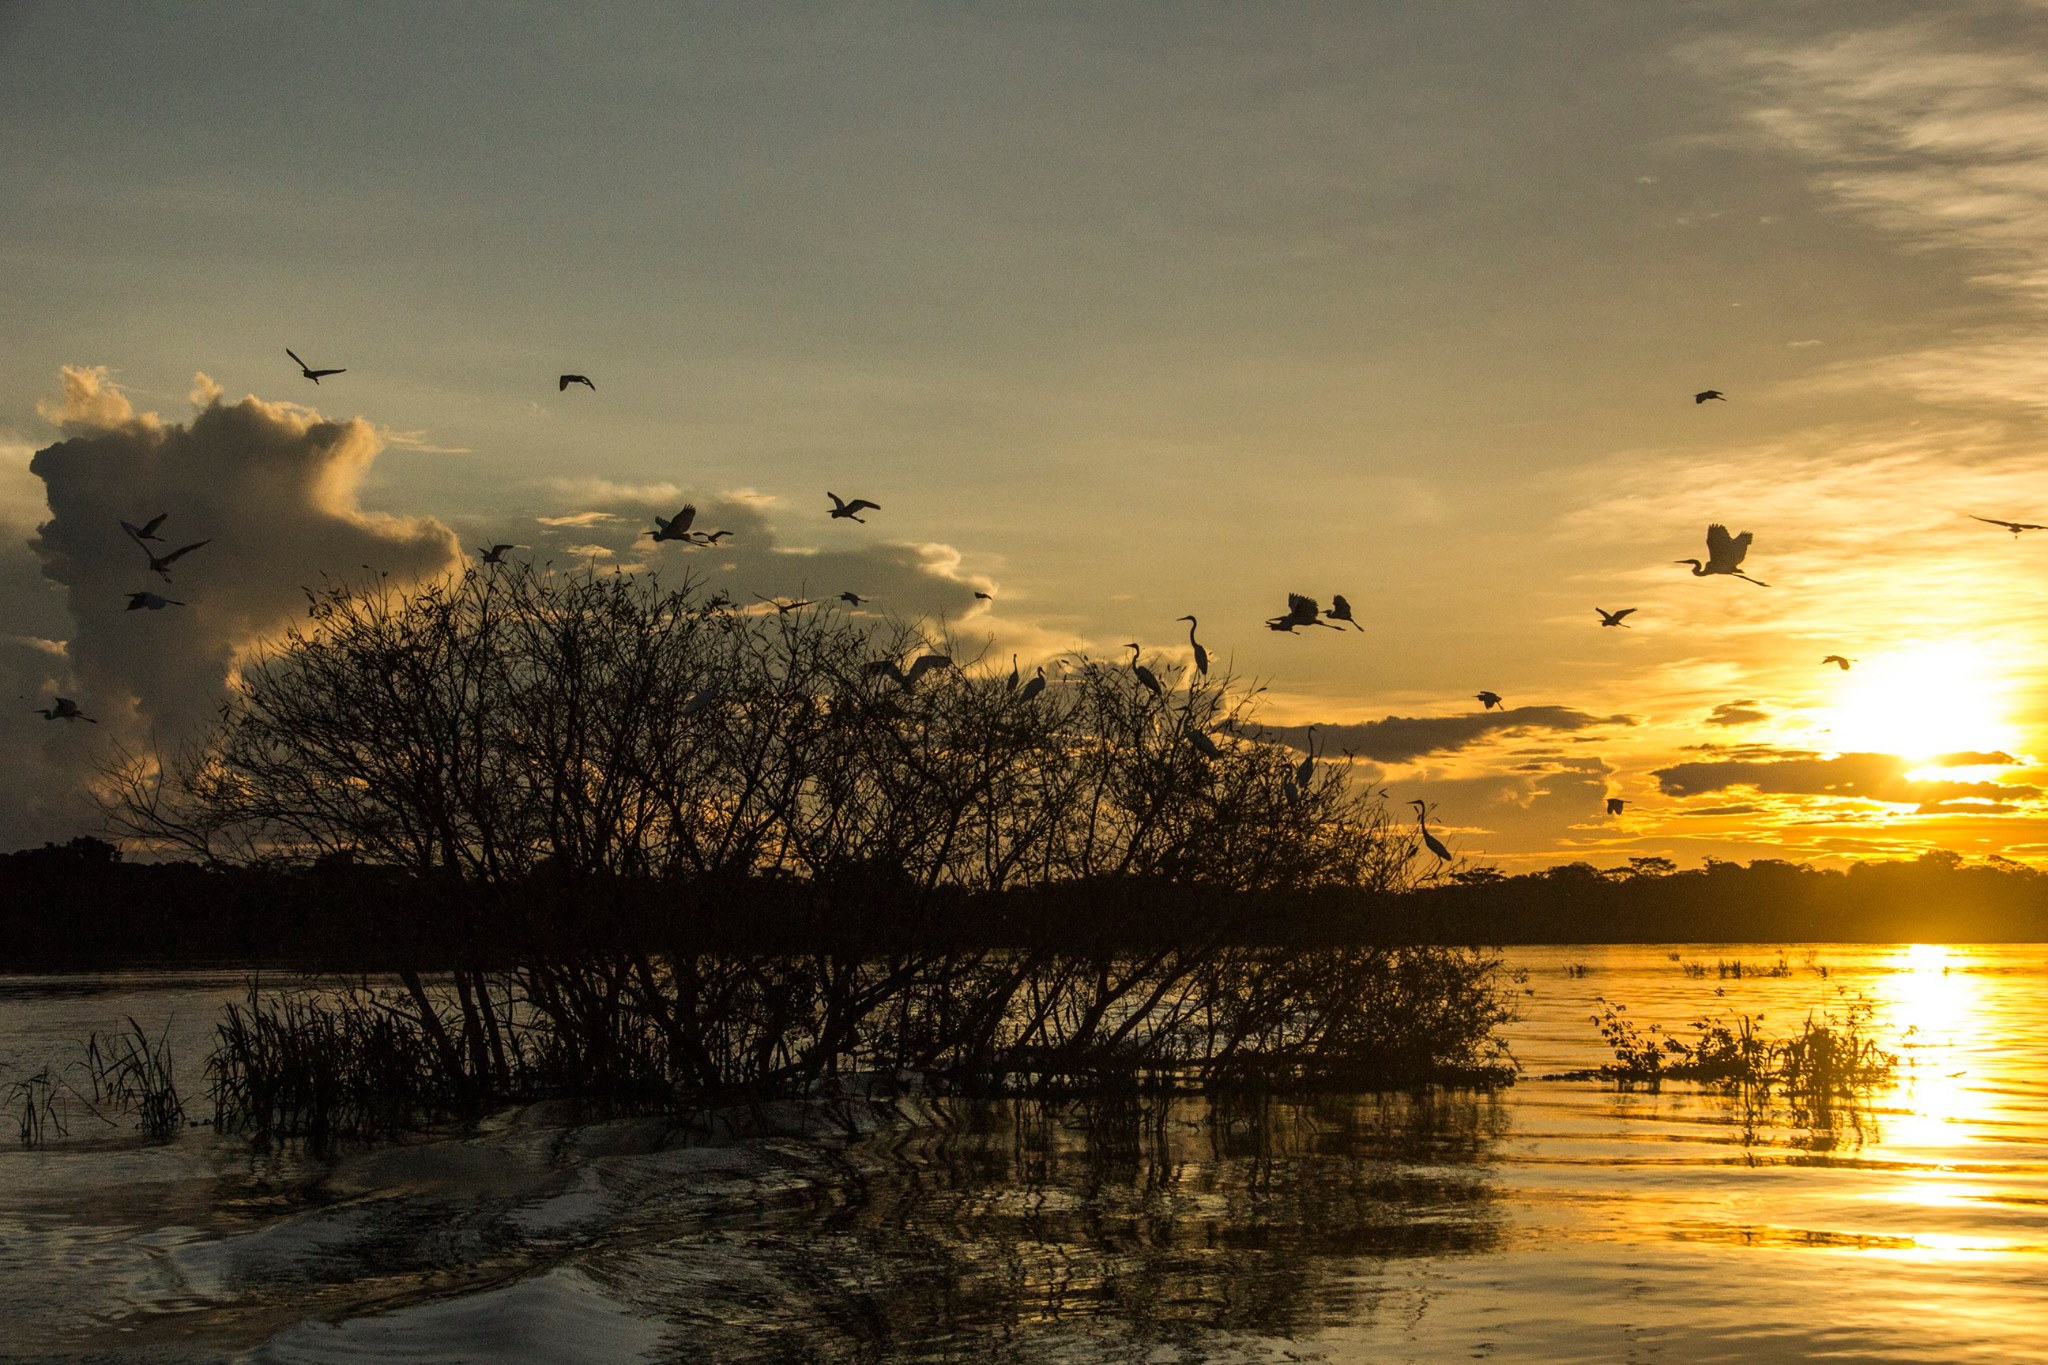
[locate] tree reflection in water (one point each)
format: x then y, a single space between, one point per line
1142 1220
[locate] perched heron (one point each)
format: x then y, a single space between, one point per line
1705 394
1011 685
1033 687
562 385
1838 661
1725 554
1340 610
676 527
308 370
841 508
1429 841
1614 805
65 709
2013 526
149 601
1201 654
146 531
1146 678
1613 618
1488 701
1305 771
1204 745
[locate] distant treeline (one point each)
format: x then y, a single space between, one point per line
80 906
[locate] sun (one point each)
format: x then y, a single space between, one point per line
1930 700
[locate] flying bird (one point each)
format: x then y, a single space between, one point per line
1704 394
1838 661
676 527
1613 618
65 709
1301 611
568 379
146 531
1340 610
308 370
853 599
2013 526
1033 688
1488 701
1725 554
149 601
1429 841
161 564
784 608
984 597
841 508
907 678
1201 654
1147 679
494 554
707 538
1614 805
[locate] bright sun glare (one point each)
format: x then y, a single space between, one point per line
1937 699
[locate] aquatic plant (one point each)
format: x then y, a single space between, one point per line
131 1073
36 1094
1830 1056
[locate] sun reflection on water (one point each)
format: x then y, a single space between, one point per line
1932 1001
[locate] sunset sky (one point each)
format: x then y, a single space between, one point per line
1120 313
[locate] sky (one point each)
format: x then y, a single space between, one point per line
1121 313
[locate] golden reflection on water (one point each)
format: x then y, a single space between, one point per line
1930 999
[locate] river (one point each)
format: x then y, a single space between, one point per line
1558 1220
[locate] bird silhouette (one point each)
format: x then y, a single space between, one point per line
708 539
783 608
1033 687
1488 701
984 597
1301 611
161 564
149 601
1429 841
841 508
1614 805
146 531
1340 610
1613 618
562 385
2013 526
65 709
308 370
1203 745
1201 654
1838 661
1725 554
907 678
494 554
1704 394
853 599
1305 771
676 527
1147 679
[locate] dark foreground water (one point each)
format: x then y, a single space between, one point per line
1558 1221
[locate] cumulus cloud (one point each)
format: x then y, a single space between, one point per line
271 490
1401 739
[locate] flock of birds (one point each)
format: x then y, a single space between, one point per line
1725 556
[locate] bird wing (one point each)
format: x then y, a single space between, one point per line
295 356
1723 548
182 550
837 502
682 519
149 527
883 668
322 374
926 663
1301 609
858 503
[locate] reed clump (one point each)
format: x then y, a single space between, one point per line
132 1073
1833 1055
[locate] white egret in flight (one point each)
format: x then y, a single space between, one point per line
1725 554
1488 701
1301 611
2013 526
1614 805
309 371
146 531
907 678
1838 661
676 527
841 508
494 554
1704 394
162 563
1613 618
65 709
1340 610
562 385
149 601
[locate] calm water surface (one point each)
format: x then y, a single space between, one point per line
1558 1221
